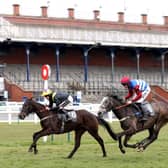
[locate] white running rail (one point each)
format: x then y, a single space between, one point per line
9 112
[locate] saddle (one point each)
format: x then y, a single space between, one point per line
142 112
137 111
67 115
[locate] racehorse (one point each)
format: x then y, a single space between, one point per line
81 122
130 123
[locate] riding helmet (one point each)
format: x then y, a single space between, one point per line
125 80
47 92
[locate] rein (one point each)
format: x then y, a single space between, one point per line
45 118
122 106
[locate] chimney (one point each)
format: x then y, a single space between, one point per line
71 13
44 11
144 18
165 20
96 15
16 9
121 17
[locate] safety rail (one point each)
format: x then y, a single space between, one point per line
9 112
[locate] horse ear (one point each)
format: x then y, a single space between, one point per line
31 98
115 96
122 100
108 94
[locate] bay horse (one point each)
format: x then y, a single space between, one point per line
51 123
130 123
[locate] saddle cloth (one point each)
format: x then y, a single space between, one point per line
69 115
72 115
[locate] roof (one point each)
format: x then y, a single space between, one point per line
81 31
83 23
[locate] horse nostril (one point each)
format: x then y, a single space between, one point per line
21 116
100 114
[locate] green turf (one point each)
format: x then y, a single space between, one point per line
16 138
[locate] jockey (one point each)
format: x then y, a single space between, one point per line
138 91
59 99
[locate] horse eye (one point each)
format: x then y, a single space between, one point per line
106 102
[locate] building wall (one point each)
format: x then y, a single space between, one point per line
74 56
16 93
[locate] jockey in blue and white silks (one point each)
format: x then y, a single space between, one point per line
138 89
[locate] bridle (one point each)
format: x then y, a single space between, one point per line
117 108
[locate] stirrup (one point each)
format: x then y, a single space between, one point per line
68 118
62 126
144 118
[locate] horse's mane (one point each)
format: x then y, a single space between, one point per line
34 101
116 97
129 110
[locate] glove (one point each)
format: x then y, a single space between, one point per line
129 102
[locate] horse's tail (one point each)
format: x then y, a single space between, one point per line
108 128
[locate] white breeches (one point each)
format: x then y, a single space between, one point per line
70 98
145 93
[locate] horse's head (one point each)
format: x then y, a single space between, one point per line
108 103
27 108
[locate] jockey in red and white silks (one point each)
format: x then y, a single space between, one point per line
138 89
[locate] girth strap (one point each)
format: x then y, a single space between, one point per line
45 118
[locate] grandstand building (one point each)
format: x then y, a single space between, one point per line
84 54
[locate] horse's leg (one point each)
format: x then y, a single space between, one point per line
120 144
36 136
127 133
126 139
99 140
141 143
78 135
154 136
131 130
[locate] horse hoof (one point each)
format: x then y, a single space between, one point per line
35 152
69 157
30 150
140 149
123 151
137 145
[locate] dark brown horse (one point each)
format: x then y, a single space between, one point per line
131 124
81 121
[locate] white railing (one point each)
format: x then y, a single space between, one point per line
12 116
9 112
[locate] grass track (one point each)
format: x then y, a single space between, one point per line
16 138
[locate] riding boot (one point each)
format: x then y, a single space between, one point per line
145 116
66 117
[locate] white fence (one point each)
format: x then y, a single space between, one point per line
9 112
